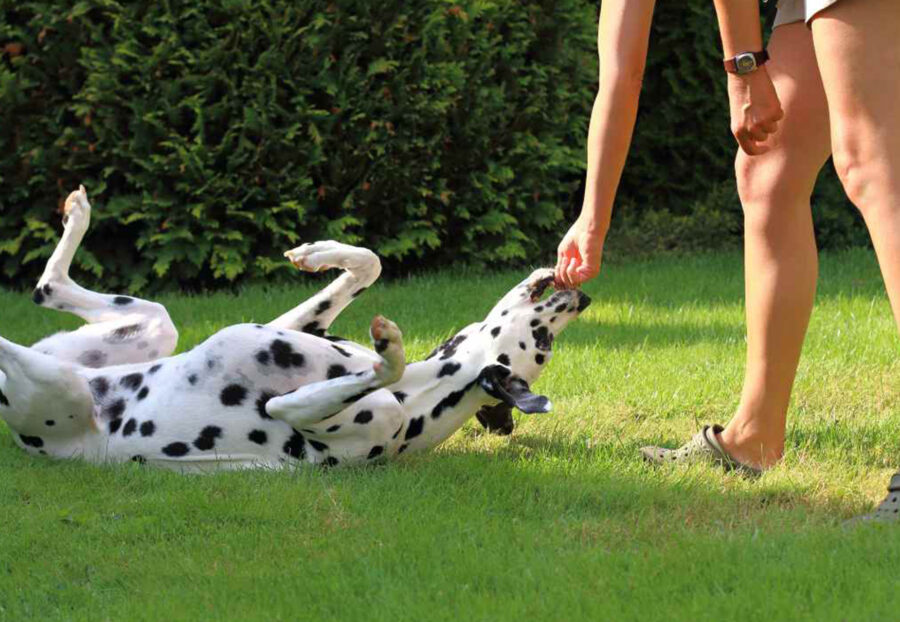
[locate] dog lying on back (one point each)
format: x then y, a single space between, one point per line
255 395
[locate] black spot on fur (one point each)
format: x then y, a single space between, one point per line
313 329
115 409
375 452
124 333
560 308
539 308
295 446
284 356
148 428
264 397
543 339
207 438
336 371
334 338
363 416
495 331
176 450
99 387
505 313
38 297
132 381
358 396
449 369
114 425
324 306
342 351
32 441
450 401
154 369
381 345
3 400
334 428
400 396
403 448
262 357
359 291
259 437
448 348
93 358
503 360
143 393
317 445
233 395
535 322
416 424
330 461
192 379
130 427
539 359
397 433
49 423
122 300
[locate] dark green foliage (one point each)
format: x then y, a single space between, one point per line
212 135
678 190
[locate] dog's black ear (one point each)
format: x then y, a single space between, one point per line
499 382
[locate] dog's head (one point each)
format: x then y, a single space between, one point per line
515 341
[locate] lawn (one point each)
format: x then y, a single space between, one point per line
560 521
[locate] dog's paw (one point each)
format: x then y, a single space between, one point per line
319 256
388 342
77 210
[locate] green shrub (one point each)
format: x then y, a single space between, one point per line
212 135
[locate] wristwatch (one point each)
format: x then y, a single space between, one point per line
746 62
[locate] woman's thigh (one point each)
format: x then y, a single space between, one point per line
857 45
801 145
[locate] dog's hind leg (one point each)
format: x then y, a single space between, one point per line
315 402
121 329
361 269
40 395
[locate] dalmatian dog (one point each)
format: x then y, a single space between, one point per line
265 395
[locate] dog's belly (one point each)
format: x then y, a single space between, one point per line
206 408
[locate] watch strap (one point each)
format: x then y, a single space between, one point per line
731 65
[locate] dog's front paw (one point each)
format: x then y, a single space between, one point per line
388 342
77 210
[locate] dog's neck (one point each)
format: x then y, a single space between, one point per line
441 393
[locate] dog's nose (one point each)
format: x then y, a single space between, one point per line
583 301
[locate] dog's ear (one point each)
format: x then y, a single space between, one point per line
499 382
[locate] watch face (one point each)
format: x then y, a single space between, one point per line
745 63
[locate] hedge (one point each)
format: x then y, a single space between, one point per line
212 135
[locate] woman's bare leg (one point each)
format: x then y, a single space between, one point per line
779 248
856 44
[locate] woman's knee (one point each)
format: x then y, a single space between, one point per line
865 169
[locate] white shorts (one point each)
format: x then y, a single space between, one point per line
790 11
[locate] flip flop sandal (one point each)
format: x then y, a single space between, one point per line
888 511
704 447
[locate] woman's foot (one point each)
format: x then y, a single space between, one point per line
705 447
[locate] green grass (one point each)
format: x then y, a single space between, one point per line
559 521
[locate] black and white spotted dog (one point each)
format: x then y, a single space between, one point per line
256 395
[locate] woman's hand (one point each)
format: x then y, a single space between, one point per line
579 255
755 110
